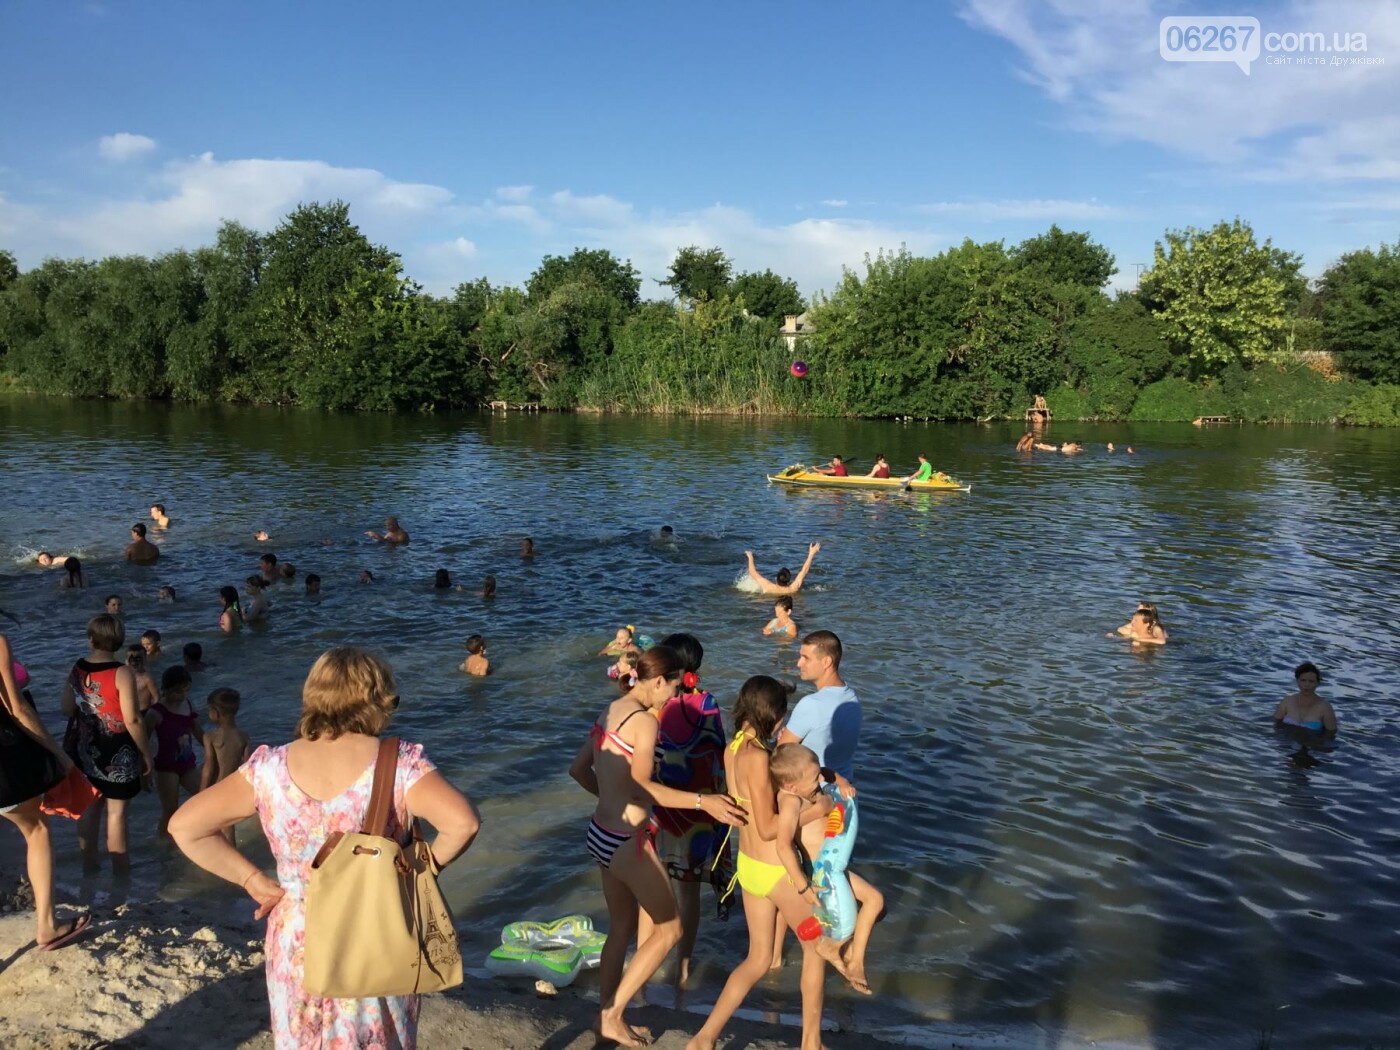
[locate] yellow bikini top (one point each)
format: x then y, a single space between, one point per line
734 745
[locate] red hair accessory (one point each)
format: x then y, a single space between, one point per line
690 679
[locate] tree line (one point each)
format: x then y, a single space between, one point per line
312 313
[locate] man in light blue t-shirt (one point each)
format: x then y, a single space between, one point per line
827 721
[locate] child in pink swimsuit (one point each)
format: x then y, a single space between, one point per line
175 727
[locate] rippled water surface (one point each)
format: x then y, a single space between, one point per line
1077 841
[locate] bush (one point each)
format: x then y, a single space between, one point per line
1175 400
1377 406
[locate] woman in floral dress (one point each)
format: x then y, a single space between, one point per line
303 792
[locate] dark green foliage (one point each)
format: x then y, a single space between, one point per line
596 267
698 273
1360 298
1066 258
312 313
767 295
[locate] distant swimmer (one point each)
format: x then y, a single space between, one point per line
261 536
782 623
51 561
527 548
1305 709
267 567
622 641
167 594
664 539
159 516
881 469
476 662
366 576
488 588
1027 443
1070 447
74 574
313 584
1110 447
258 606
231 619
836 468
784 582
393 532
1145 627
141 551
1043 447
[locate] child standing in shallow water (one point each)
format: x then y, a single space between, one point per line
226 747
173 724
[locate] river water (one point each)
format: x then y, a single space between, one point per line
1077 841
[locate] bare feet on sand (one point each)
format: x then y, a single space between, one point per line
614 1031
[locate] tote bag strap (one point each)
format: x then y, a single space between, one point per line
381 794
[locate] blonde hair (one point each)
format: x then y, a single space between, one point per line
789 762
348 690
224 700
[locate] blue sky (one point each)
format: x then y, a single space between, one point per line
474 139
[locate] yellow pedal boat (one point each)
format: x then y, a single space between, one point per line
801 477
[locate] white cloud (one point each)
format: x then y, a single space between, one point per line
515 193
124 146
834 203
1099 60
1006 210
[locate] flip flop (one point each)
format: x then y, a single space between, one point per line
80 925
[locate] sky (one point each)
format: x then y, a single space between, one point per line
474 139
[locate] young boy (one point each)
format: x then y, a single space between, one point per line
313 584
476 662
226 747
782 622
797 777
150 641
193 655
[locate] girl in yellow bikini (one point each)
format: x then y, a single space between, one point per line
767 888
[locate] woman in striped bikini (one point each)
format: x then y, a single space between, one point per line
616 764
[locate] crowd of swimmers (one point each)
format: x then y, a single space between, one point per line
675 790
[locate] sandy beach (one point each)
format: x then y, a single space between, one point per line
162 974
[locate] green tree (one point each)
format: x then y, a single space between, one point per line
767 295
1361 313
698 273
1066 258
1223 297
618 280
9 269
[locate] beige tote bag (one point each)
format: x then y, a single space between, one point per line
376 922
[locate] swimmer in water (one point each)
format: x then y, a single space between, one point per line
313 584
112 605
141 551
488 588
476 662
1305 709
286 572
51 561
74 578
1071 447
1110 447
784 582
1145 627
1043 447
782 623
442 581
527 548
393 532
231 619
158 516
192 656
622 641
150 642
366 576
261 536
1027 442
257 606
267 565
167 594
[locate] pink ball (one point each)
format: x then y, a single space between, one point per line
799 368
